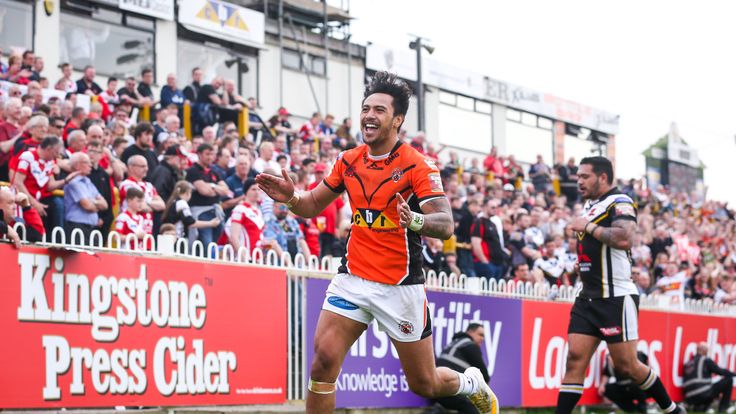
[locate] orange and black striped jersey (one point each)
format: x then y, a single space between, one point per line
378 248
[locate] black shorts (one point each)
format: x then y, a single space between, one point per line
610 319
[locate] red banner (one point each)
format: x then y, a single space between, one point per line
669 339
102 330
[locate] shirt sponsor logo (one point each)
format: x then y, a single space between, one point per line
341 303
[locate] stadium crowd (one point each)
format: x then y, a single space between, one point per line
107 169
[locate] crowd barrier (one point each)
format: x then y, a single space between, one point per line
94 325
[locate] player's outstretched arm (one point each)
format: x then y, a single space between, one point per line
436 220
306 204
619 236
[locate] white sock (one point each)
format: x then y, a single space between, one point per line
468 385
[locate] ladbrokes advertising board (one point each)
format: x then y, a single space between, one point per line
669 339
100 330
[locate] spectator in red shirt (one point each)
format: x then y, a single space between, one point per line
34 132
35 178
245 226
327 221
130 221
78 116
491 160
309 131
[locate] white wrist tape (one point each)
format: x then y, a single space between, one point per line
417 222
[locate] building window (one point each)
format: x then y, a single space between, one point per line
483 107
290 59
448 98
106 40
16 26
314 64
513 115
544 123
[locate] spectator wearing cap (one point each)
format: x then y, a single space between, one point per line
142 146
209 187
35 178
82 200
328 221
87 84
266 158
169 171
280 123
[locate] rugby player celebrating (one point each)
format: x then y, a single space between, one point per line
396 196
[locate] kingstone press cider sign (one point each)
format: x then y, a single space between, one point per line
106 329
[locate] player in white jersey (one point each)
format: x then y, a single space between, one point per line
606 307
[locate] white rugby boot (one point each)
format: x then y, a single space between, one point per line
484 399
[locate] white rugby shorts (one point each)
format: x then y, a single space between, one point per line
400 311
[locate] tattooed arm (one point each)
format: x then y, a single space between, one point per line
436 214
619 236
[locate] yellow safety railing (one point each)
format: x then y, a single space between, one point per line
187 115
145 114
243 123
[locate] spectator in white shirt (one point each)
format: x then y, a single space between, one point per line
265 158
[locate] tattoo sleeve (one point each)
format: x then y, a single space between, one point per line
619 236
437 219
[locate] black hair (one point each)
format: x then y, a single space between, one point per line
600 165
142 128
111 79
50 141
281 157
390 84
204 147
473 326
196 68
146 70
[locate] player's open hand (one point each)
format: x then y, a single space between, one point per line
278 188
404 211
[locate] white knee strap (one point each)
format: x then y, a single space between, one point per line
322 388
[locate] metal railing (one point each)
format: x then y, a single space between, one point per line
312 266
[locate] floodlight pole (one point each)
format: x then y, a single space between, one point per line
420 85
